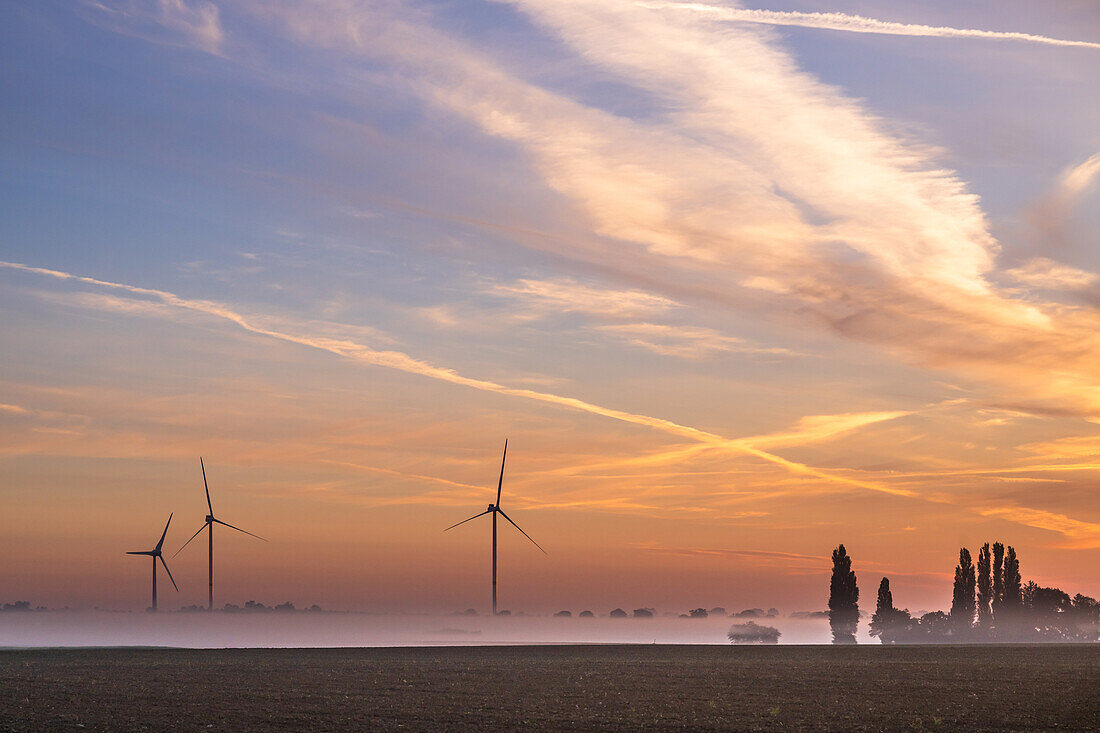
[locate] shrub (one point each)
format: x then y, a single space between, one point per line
753 633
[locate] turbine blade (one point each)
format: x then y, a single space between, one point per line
207 487
536 544
185 544
164 533
500 481
169 573
468 520
146 552
227 524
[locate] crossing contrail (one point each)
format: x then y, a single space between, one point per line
859 24
1085 534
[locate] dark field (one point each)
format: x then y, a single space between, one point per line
554 687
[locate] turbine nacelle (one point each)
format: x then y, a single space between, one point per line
492 508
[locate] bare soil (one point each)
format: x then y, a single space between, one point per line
554 688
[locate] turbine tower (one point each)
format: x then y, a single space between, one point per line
209 525
495 509
155 554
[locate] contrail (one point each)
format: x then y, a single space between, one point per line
1086 534
405 363
859 24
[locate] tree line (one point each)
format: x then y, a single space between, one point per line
989 603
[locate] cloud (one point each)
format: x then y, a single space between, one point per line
1083 534
859 24
566 295
174 22
683 341
1077 179
745 183
737 171
861 233
1044 273
1052 212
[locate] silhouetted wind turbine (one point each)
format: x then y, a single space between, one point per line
209 524
155 554
495 509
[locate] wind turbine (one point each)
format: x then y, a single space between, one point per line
209 524
155 554
495 509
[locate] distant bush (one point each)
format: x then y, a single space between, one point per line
810 614
753 633
697 613
643 613
717 611
618 613
467 612
750 613
18 606
563 614
586 614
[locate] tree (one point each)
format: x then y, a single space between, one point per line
888 622
1086 618
1012 598
985 590
962 597
1048 613
998 579
1012 601
934 626
843 599
752 633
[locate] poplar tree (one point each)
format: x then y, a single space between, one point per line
998 579
1010 607
985 589
962 597
1012 596
885 613
843 599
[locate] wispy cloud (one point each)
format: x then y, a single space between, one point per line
744 171
721 190
566 295
175 22
684 341
1044 273
1080 534
1083 534
860 24
1052 212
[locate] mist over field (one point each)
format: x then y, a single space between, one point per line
335 629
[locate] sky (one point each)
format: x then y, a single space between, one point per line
738 282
